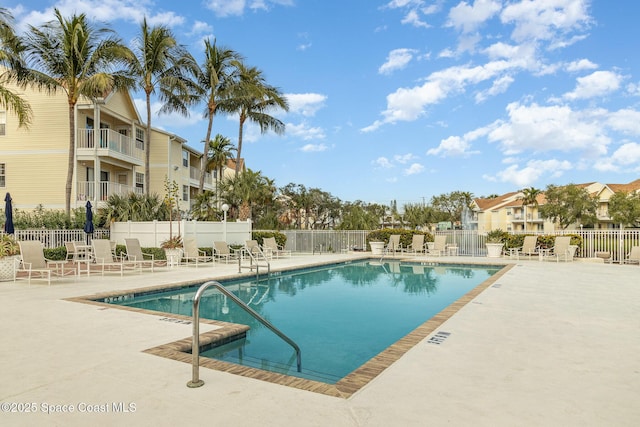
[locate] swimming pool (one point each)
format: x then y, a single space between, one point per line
340 315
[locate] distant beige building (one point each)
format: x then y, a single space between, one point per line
109 154
506 212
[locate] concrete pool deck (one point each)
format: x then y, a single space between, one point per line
548 344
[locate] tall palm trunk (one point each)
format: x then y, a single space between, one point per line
203 159
70 162
147 151
243 117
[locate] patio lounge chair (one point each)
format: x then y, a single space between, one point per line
417 244
394 244
254 248
193 254
269 244
135 255
221 251
562 250
529 247
102 259
72 253
633 257
439 245
37 266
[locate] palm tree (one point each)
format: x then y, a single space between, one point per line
214 77
218 151
252 98
243 191
529 198
10 57
73 56
162 67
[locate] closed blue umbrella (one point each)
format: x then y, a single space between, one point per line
88 224
8 213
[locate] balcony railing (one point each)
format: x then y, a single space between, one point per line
86 190
194 173
109 140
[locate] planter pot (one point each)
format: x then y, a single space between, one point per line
7 267
174 255
494 250
376 248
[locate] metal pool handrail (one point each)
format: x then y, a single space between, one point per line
195 347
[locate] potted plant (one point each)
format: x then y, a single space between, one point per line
172 249
495 242
9 251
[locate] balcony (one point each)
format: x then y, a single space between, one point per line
86 190
194 175
109 144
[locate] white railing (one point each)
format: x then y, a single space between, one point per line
108 139
86 190
194 173
56 238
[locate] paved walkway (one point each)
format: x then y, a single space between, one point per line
550 344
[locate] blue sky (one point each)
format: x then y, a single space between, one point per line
407 99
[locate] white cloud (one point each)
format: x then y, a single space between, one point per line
452 146
404 158
397 60
545 20
581 64
223 8
500 85
539 129
412 18
306 104
382 162
599 83
534 170
625 159
414 169
304 132
313 148
467 18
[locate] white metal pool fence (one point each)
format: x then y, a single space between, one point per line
469 242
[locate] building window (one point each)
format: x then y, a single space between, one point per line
3 122
140 181
185 158
3 176
140 139
185 193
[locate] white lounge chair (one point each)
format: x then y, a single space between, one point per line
222 251
417 244
135 255
529 247
36 266
102 259
254 248
269 244
394 244
439 246
193 254
562 250
633 257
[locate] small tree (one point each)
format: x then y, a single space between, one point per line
568 205
624 208
171 200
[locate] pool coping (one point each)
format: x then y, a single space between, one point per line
180 350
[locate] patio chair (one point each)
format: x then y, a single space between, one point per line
269 244
417 244
134 254
222 251
72 253
633 257
394 244
529 247
256 251
102 259
439 245
562 250
37 266
191 253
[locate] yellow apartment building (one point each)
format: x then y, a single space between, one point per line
109 155
506 212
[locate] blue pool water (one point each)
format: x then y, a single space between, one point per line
340 315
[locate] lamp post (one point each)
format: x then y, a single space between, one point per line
225 208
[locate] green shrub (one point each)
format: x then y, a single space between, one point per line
406 236
259 236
